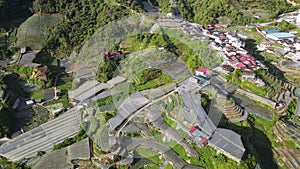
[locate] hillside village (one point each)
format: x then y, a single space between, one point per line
239 112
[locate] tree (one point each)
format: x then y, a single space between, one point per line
106 70
236 75
40 153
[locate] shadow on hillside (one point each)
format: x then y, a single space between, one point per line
256 143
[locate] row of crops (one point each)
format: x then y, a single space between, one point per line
273 84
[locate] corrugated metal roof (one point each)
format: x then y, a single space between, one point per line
297 112
228 141
283 35
271 31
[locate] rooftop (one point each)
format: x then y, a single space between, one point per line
283 35
271 31
202 70
229 142
129 106
62 158
42 138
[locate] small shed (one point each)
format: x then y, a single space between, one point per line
23 49
29 102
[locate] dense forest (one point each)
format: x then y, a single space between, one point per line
82 18
236 11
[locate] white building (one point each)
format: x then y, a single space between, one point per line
298 18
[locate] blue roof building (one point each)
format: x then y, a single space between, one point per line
270 31
280 36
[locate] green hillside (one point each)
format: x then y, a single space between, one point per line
33 31
236 11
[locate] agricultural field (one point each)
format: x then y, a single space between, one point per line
273 84
33 31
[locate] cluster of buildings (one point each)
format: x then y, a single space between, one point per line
290 43
232 49
291 17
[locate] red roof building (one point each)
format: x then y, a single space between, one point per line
243 59
247 62
233 62
203 70
240 65
227 68
233 58
193 129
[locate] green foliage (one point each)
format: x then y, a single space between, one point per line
273 83
209 11
2 39
11 83
253 88
13 36
27 71
69 141
7 52
133 4
236 75
205 101
64 84
145 40
6 121
284 26
33 31
109 115
5 164
105 101
164 6
40 153
106 70
82 19
37 94
170 122
41 116
159 81
290 111
195 54
141 162
194 62
147 75
235 78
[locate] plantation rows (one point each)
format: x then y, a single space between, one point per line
273 84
